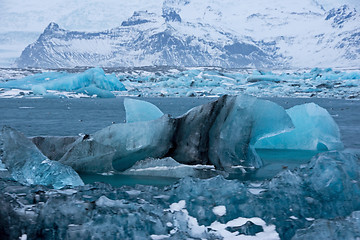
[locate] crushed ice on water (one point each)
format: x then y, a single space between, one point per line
190 82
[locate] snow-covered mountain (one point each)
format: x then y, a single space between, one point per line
227 33
145 39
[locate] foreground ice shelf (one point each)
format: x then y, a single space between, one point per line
319 198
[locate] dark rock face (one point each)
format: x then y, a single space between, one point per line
340 16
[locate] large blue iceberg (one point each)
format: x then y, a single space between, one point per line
221 133
92 82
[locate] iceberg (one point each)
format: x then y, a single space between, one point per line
53 147
28 165
93 81
168 167
138 111
315 129
223 132
88 155
120 146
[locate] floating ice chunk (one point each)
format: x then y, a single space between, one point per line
175 207
223 132
137 141
93 81
106 202
28 165
120 146
266 78
334 175
38 90
159 237
219 210
315 129
138 111
168 167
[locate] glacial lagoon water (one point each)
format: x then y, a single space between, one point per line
69 117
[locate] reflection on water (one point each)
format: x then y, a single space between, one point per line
118 180
274 162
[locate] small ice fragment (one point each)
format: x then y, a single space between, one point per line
175 207
219 210
23 237
256 191
159 237
133 192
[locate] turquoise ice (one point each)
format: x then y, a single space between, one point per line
29 166
315 129
91 82
138 110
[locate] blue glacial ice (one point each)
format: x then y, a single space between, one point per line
138 110
221 133
28 165
315 129
216 82
119 146
92 82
